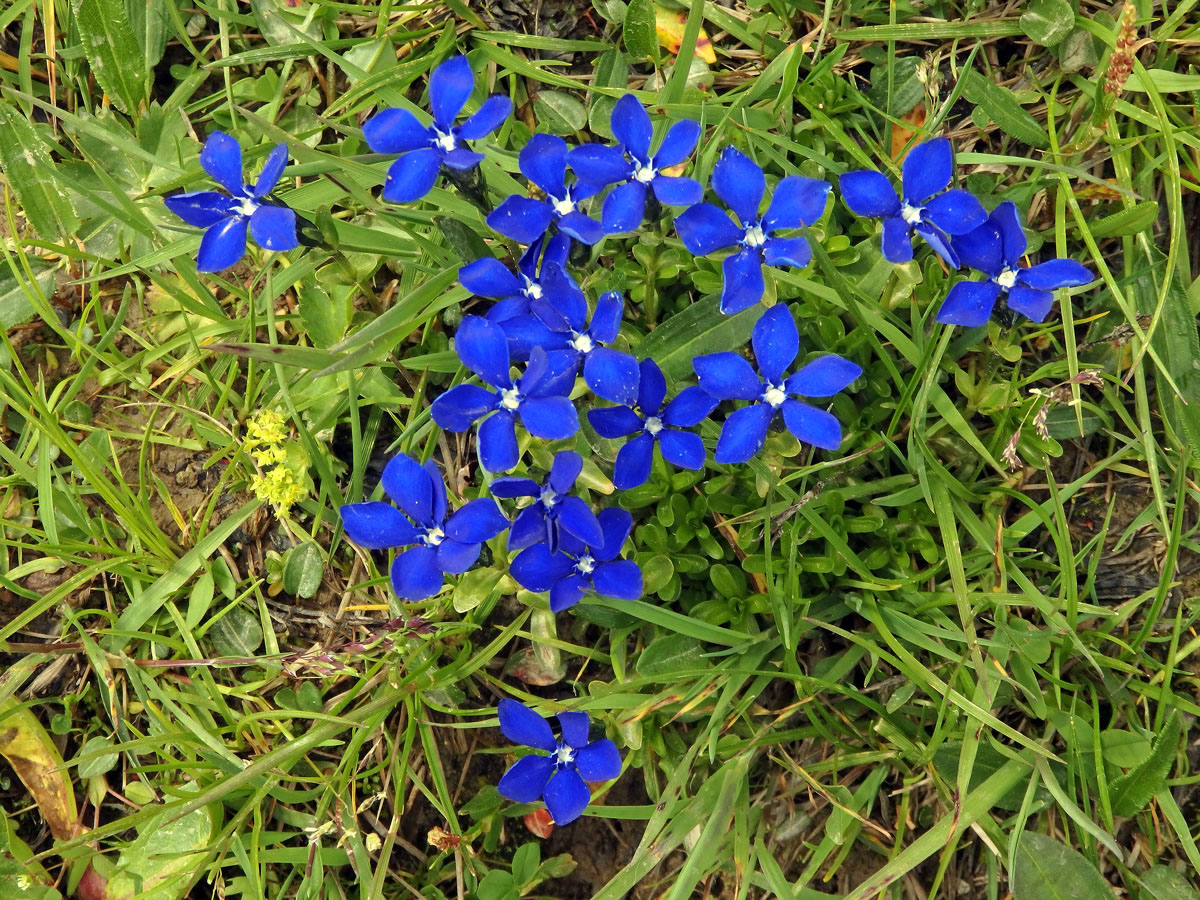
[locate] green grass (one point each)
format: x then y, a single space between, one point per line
900 670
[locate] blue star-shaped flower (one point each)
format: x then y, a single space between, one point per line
926 207
538 396
427 147
705 228
442 546
995 248
488 277
776 342
561 777
555 511
655 426
226 218
577 566
625 207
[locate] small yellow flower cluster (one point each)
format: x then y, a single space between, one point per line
283 462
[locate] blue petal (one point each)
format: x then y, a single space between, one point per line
743 280
274 228
616 523
528 528
551 418
743 433
939 241
562 305
633 463
675 191
488 277
450 86
599 761
564 470
574 728
483 348
410 486
630 125
955 212
544 162
498 451
969 303
811 425
416 574
681 448
606 319
678 144
614 421
927 169
455 557
549 374
1030 302
582 228
526 778
508 308
897 240
490 116
477 521
566 592
528 331
797 201
222 245
461 406
727 376
576 518
439 490
221 158
598 164
522 725
461 158
202 208
509 486
704 229
621 579
411 176
396 131
981 248
787 252
1007 220
823 377
868 193
271 171
521 218
1054 274
566 796
690 407
776 341
375 525
558 248
740 183
537 568
652 387
624 208
612 375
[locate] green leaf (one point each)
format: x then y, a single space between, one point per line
559 112
165 859
303 570
101 762
21 876
462 238
325 313
1127 221
237 634
15 305
117 61
697 330
612 71
1047 22
148 21
525 863
1048 870
1162 883
641 36
28 168
1002 108
1164 81
670 655
475 587
1132 791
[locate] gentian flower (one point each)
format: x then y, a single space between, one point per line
559 778
442 546
544 162
657 426
704 228
488 277
926 208
578 565
555 511
625 207
995 248
273 225
537 396
426 148
776 342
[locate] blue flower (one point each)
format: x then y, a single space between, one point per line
273 225
656 426
488 277
442 546
427 147
995 248
544 162
561 777
577 565
555 511
705 228
926 208
625 207
538 396
776 342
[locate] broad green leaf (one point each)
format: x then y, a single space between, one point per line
1162 883
1047 22
101 762
117 61
326 311
237 634
282 25
21 876
559 112
149 23
1178 345
1048 870
640 31
29 170
1002 107
1132 791
165 859
1127 221
1164 81
15 306
612 71
697 330
670 655
462 238
303 570
475 587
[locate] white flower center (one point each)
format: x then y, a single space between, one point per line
434 536
533 290
249 205
586 564
911 214
445 141
754 236
644 173
548 497
653 425
1007 278
564 755
564 206
774 395
510 399
583 343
